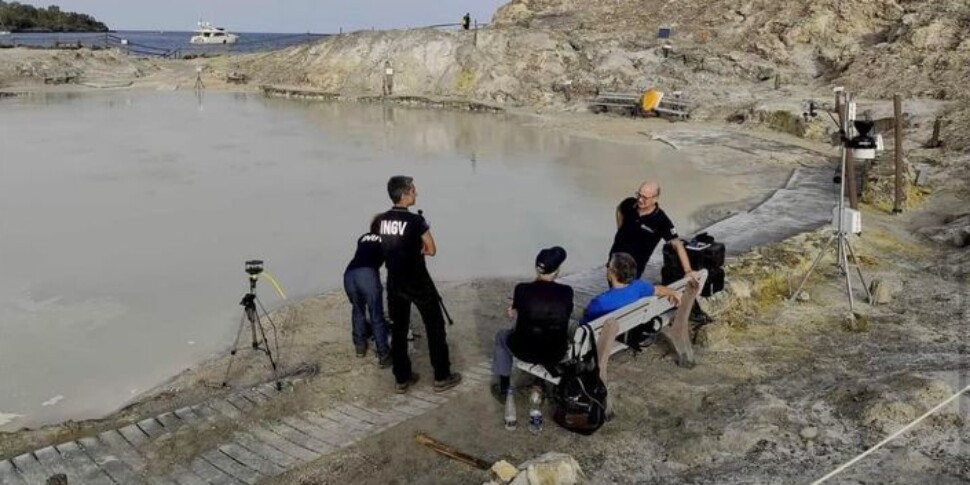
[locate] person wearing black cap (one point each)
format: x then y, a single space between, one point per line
405 240
541 310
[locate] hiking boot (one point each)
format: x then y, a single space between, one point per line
402 387
384 361
361 352
447 383
700 316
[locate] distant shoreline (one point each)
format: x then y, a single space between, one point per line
51 31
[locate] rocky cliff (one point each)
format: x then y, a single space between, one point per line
725 53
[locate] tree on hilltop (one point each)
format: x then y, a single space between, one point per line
18 17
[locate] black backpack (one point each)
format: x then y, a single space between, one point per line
581 394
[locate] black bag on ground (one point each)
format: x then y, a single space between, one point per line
581 394
703 252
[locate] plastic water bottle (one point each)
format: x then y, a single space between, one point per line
535 414
510 420
535 421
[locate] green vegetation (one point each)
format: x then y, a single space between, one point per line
17 17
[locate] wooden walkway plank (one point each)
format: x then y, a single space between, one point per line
206 412
151 427
31 469
182 476
322 430
347 421
265 450
134 435
226 408
10 475
240 402
367 415
232 467
280 443
253 396
85 467
211 474
170 421
119 471
49 457
252 460
392 417
122 448
300 438
269 390
188 416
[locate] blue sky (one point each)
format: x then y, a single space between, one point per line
277 15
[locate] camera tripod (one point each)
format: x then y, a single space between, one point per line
251 314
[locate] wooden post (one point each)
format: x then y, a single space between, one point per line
777 81
898 129
476 33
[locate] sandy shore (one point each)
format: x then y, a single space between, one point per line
782 393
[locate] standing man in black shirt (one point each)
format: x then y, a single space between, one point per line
406 239
362 282
542 309
641 224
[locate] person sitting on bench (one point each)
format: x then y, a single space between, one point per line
542 309
625 288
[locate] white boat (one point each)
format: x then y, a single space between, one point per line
208 34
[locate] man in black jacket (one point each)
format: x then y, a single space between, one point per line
406 239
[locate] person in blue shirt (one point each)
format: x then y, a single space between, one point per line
625 288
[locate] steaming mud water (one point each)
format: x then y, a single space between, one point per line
126 218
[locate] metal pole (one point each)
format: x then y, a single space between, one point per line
843 245
843 131
858 268
898 129
850 161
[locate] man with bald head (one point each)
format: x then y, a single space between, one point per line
641 224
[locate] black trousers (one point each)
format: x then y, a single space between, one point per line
425 298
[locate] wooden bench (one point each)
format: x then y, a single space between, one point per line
625 101
675 106
675 327
62 78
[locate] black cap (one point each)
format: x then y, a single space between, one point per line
548 260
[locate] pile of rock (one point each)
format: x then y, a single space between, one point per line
549 469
